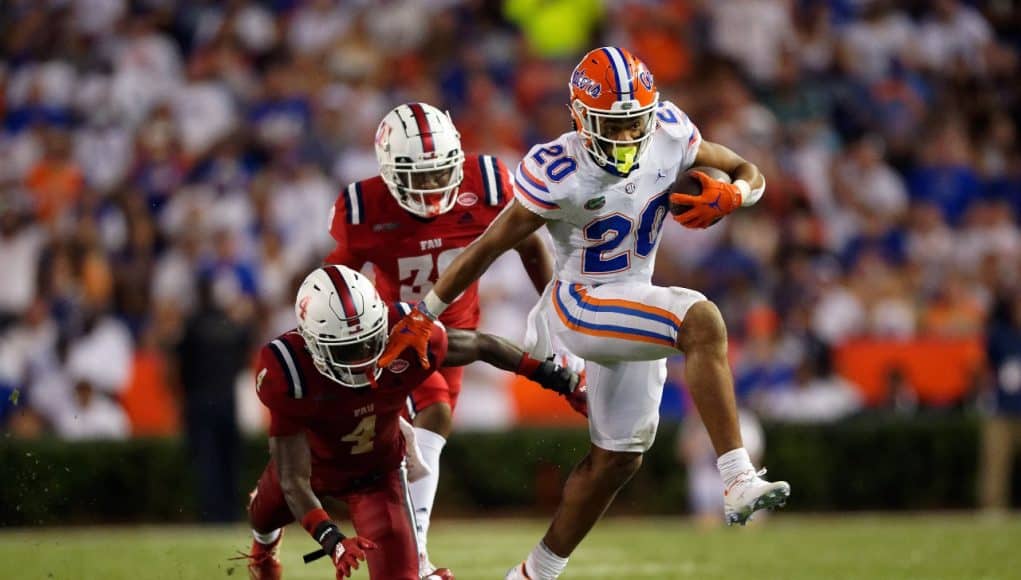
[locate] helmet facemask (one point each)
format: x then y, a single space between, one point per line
426 188
350 361
596 126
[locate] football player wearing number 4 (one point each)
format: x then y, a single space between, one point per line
336 429
428 202
603 192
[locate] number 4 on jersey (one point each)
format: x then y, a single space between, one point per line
362 437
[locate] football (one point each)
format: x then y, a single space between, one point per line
688 184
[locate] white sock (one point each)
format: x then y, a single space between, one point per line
732 464
423 491
268 538
543 564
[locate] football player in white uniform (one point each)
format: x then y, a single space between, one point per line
603 191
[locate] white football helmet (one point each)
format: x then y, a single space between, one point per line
344 323
420 158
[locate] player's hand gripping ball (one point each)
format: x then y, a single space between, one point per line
702 196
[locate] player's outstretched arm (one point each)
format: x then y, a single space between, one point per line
508 230
537 261
467 346
293 459
513 225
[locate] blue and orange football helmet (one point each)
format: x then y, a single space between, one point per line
611 87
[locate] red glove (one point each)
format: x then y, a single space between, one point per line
578 398
717 200
348 552
412 331
344 552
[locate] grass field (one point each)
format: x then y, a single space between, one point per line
784 548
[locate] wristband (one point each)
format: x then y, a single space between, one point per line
313 519
750 196
527 366
328 535
743 187
432 306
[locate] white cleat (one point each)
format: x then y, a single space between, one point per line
750 493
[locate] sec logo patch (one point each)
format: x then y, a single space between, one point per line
399 366
467 199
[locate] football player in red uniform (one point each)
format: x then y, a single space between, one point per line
428 202
335 424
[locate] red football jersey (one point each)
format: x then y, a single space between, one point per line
352 433
409 252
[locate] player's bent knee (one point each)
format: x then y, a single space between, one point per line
616 465
437 418
703 327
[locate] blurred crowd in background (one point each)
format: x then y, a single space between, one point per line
163 162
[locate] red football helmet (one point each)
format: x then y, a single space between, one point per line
613 94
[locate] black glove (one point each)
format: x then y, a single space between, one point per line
559 379
556 378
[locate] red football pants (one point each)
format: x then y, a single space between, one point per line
443 386
380 512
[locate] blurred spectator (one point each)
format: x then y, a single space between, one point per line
21 246
954 38
755 33
55 181
945 174
317 24
1001 429
91 415
880 38
956 309
816 395
213 349
873 182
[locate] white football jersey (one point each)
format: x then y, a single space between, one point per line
606 228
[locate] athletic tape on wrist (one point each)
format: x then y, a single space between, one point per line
434 307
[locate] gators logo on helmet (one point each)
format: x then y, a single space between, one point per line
613 104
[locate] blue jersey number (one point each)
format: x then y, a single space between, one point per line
561 165
666 115
609 232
